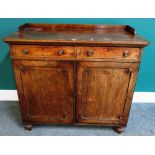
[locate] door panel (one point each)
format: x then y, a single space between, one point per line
48 91
101 91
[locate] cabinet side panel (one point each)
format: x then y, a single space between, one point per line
19 85
132 83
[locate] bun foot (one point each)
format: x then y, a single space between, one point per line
28 127
119 129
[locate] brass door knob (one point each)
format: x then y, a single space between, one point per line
60 52
125 53
25 51
90 53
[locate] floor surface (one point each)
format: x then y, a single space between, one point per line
141 123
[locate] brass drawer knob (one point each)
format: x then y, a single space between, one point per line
60 52
125 54
25 51
90 53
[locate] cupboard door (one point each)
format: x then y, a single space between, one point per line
48 91
102 89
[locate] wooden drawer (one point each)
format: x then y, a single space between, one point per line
43 51
108 52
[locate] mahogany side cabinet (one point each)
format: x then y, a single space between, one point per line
75 74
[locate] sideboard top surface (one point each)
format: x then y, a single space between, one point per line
76 34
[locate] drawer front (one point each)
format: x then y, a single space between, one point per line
108 52
43 51
60 51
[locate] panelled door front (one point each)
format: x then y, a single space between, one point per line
102 88
47 89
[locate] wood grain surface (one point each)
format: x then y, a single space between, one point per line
75 74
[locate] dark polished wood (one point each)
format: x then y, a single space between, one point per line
47 90
75 74
30 51
75 34
108 52
102 91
